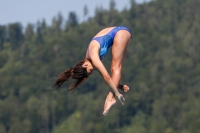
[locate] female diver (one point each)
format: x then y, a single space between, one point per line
118 37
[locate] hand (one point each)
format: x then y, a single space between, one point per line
121 98
125 88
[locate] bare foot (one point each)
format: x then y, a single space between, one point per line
108 105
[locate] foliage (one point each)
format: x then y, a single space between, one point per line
162 69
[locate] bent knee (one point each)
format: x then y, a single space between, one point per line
116 69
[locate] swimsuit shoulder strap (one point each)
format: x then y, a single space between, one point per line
88 51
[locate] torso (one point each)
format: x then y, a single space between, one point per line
105 39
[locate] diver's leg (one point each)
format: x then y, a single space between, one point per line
118 53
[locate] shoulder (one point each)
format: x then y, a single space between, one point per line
94 44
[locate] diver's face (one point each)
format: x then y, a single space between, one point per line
88 67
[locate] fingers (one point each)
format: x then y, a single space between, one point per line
121 99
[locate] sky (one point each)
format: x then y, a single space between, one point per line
32 11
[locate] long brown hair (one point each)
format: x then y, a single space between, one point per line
78 73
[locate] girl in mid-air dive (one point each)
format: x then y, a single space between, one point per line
118 37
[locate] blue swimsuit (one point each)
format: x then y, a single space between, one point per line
107 40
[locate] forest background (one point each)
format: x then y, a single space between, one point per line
162 69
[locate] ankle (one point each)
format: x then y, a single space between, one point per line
110 98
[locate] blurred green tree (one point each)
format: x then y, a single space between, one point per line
15 35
